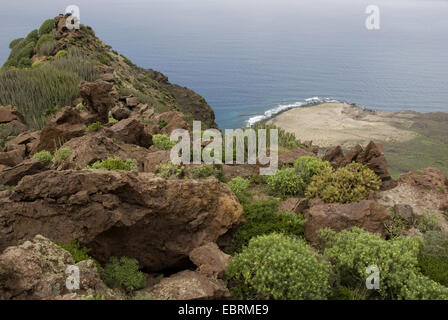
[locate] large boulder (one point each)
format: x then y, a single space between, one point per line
210 260
153 159
98 146
173 119
37 268
131 131
10 113
99 96
116 213
367 214
13 157
190 285
66 124
10 176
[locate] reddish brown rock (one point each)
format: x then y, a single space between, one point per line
336 157
117 213
11 176
98 146
13 157
10 113
289 157
131 131
296 205
190 285
153 159
132 102
100 97
174 119
210 260
373 157
367 214
66 124
352 154
120 112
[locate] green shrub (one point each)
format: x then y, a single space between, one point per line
43 156
61 54
286 182
115 164
262 218
351 252
123 273
396 226
46 45
162 124
428 222
352 183
23 49
62 154
279 267
433 256
239 186
163 142
202 171
168 170
307 167
94 127
257 179
24 63
46 27
112 120
15 42
80 107
37 64
78 253
32 36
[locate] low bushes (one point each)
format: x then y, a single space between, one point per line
62 154
202 171
239 187
352 183
277 266
46 27
94 127
286 182
163 142
433 256
78 253
261 219
351 252
43 156
168 170
123 273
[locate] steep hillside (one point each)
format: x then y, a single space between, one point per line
44 70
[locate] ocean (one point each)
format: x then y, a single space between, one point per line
252 58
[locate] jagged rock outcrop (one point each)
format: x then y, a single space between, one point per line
99 96
66 124
12 175
372 156
37 268
98 146
132 131
157 221
11 117
366 214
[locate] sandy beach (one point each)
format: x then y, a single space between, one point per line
330 124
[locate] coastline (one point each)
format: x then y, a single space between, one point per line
411 140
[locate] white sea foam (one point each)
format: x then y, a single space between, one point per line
283 107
